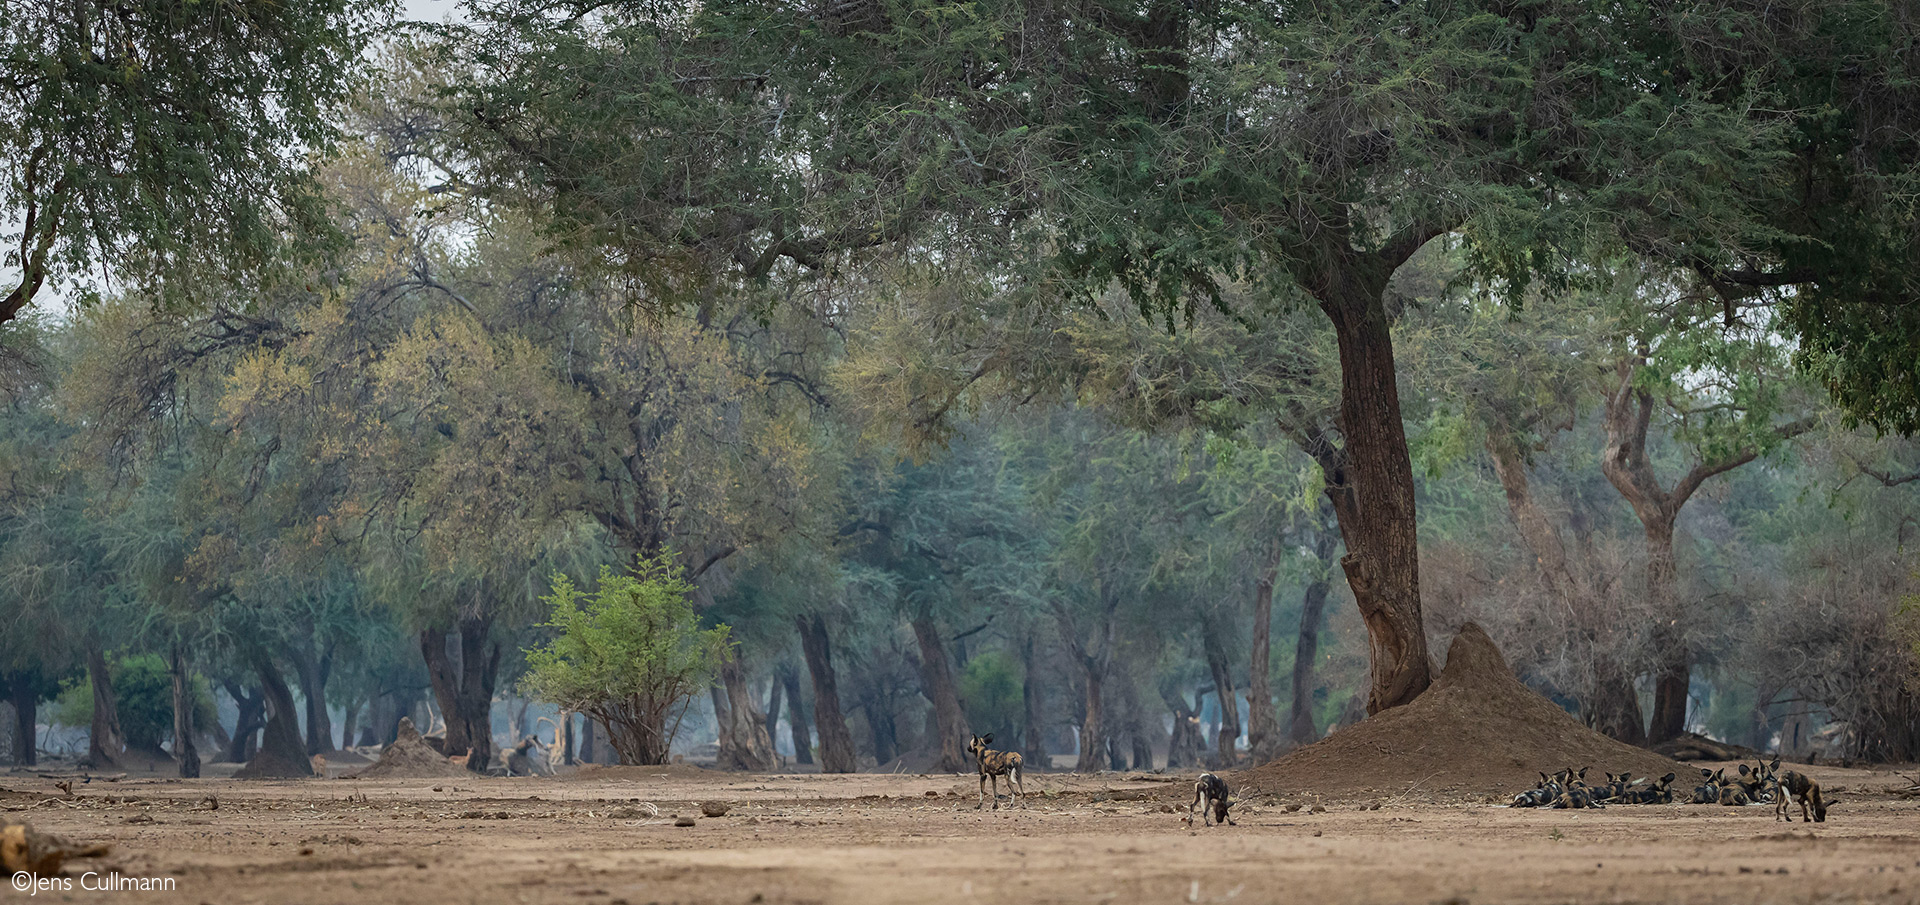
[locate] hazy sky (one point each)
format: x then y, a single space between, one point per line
431 10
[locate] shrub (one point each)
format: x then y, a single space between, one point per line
143 695
630 654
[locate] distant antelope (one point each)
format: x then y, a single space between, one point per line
460 760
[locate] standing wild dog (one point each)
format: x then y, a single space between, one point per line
1210 796
993 765
1805 790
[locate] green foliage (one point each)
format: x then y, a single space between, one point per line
990 687
631 653
143 691
159 137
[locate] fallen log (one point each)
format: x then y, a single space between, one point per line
24 850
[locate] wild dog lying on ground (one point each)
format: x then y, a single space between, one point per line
1210 796
993 765
1707 792
1544 793
1659 792
1753 783
1578 794
519 760
1548 790
1615 788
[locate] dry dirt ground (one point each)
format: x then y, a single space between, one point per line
593 838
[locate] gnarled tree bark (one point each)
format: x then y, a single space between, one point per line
937 682
836 742
465 690
1306 650
184 753
797 733
282 752
106 744
1628 414
1263 729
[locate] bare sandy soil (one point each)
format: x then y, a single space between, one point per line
593 838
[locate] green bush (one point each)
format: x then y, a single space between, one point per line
143 692
630 654
990 686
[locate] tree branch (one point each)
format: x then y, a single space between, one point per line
1701 472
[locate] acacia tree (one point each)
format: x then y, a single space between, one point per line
134 136
1161 145
1721 391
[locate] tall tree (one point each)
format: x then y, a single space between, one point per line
136 136
1161 145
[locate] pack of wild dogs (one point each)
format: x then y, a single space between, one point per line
1762 783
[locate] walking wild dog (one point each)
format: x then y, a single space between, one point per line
1210 796
993 765
1804 790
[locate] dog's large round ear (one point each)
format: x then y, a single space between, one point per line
987 739
1743 770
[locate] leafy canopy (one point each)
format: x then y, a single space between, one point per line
148 136
635 637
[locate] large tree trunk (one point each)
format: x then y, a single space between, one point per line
881 725
350 723
1670 687
585 754
252 715
282 752
106 744
1263 730
1139 731
836 742
746 745
313 673
1093 729
465 689
1033 742
184 753
24 693
774 688
1217 664
936 681
1306 649
1383 550
1183 750
789 678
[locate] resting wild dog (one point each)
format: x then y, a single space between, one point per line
1577 794
1544 793
1660 792
519 761
1615 789
993 765
1210 796
1707 792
